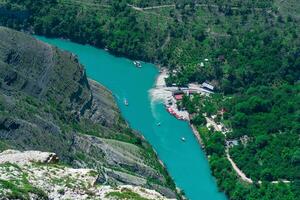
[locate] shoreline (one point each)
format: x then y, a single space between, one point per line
159 84
157 93
139 134
160 92
197 136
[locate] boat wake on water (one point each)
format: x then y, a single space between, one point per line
153 102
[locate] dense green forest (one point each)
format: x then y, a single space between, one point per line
253 53
270 117
227 178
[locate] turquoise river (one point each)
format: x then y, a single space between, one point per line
185 161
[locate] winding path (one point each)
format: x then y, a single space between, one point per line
197 5
151 7
237 170
240 173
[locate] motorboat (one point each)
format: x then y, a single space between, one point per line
137 63
126 102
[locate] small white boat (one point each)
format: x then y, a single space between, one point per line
183 139
158 124
137 63
126 102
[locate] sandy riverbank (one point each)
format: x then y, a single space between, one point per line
159 92
163 93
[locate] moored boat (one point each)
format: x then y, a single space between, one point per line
137 63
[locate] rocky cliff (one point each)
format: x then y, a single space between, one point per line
48 104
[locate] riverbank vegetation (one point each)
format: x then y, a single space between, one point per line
249 50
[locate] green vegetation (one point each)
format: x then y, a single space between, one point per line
125 194
252 52
3 146
228 180
20 188
270 117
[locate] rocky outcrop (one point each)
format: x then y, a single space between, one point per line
42 71
41 172
23 158
103 108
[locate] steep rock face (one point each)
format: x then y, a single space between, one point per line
38 175
103 108
48 104
38 69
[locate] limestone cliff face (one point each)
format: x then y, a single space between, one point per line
48 104
38 175
42 71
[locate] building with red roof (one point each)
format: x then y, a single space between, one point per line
178 96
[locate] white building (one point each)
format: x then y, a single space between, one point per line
207 86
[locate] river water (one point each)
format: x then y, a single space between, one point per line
185 161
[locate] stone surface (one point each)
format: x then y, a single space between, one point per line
36 169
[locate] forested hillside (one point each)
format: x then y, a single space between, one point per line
253 53
271 119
